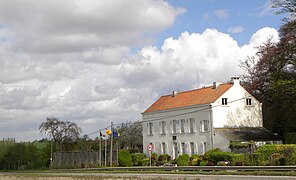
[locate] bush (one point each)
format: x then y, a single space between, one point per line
195 160
139 159
183 160
221 163
215 157
164 157
125 158
288 151
210 163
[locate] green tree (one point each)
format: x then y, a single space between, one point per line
131 136
272 78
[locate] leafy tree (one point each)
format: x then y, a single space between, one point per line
271 74
65 133
131 136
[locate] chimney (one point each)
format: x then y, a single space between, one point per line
216 84
174 93
235 80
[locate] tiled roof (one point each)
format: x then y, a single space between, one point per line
189 98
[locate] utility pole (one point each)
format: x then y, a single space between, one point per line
105 152
111 144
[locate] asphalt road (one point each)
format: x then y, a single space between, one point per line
136 176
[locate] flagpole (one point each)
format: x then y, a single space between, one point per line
100 151
105 152
111 141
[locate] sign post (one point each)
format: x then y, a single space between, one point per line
150 148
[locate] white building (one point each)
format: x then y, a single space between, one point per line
195 121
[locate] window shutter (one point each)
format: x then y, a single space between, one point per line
166 148
160 148
171 126
201 149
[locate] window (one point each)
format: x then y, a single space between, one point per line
183 148
150 128
192 148
163 127
182 125
163 148
224 101
248 101
192 125
204 126
175 122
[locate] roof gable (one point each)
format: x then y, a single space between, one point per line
189 98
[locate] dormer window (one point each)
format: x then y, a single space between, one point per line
224 101
248 101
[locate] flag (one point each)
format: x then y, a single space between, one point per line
115 134
103 135
108 131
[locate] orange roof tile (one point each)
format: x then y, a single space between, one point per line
189 98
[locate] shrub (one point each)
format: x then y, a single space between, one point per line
206 155
164 157
210 163
125 158
183 160
221 163
138 159
195 160
215 157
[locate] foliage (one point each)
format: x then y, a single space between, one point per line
131 136
139 159
195 160
183 160
164 157
236 144
271 75
65 133
125 158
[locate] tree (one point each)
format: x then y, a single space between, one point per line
64 133
271 74
131 136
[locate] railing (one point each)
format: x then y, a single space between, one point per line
195 168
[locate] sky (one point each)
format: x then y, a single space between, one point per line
96 62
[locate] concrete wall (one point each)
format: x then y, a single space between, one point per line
75 159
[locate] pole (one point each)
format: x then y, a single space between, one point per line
117 153
51 149
111 142
150 158
105 152
100 151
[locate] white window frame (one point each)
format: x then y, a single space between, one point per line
182 128
150 128
205 126
163 127
192 125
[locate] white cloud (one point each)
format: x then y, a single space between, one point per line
236 29
77 64
221 13
72 26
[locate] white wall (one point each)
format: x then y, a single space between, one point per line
236 113
199 113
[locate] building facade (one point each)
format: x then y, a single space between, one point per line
185 122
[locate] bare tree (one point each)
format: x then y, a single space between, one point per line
62 132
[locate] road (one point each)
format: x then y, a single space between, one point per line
136 176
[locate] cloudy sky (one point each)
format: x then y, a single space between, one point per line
93 62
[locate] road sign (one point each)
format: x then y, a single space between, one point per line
150 147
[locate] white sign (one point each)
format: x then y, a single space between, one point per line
150 147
